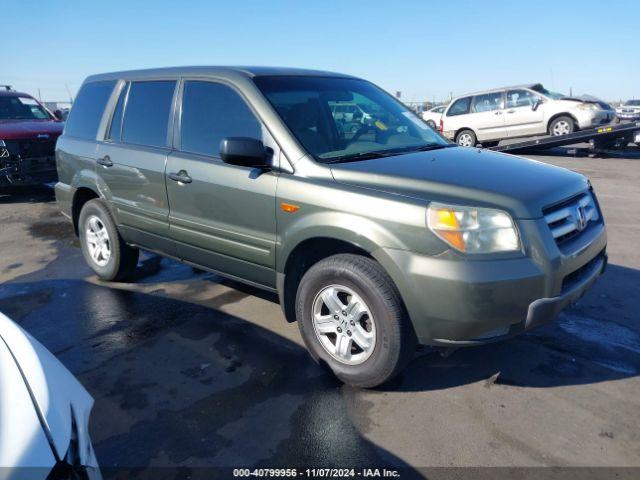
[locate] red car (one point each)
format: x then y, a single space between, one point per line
28 134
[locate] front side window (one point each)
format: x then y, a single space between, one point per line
460 107
338 118
212 112
146 118
438 109
553 95
88 107
487 102
521 98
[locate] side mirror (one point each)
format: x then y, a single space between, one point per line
58 115
245 152
536 104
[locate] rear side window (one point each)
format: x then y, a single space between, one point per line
88 107
211 112
146 117
487 102
460 107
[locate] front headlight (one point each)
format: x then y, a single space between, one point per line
473 230
587 106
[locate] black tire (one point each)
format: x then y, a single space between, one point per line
431 123
569 126
395 339
461 138
122 258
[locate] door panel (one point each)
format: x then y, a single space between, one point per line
225 218
487 117
131 163
135 187
520 118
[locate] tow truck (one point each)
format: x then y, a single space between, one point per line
601 140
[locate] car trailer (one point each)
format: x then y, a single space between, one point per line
600 139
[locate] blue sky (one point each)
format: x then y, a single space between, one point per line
426 49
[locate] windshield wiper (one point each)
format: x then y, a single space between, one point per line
434 146
389 153
365 156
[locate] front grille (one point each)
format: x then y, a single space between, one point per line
568 219
577 275
31 148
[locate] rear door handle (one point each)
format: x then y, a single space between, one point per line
105 161
511 111
181 176
499 112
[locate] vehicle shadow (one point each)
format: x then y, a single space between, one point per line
191 389
597 340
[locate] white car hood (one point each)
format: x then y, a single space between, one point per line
40 400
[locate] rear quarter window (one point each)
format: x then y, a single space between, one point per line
460 107
88 107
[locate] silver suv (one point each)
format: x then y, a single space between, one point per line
490 116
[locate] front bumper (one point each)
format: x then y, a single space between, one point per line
595 118
27 171
456 301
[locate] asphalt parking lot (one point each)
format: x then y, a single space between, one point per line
188 369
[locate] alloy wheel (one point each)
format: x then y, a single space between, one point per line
465 140
98 242
344 325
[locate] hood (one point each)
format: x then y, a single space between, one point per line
48 390
588 99
467 176
30 129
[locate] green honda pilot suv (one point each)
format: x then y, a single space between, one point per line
375 238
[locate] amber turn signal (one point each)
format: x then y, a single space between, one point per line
289 207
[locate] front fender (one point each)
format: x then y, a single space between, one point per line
362 232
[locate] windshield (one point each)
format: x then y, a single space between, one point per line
633 103
336 118
548 93
21 108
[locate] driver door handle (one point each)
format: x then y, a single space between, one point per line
499 112
511 111
105 161
181 176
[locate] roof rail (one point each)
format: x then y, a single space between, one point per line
7 87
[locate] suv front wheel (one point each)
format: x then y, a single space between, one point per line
352 319
562 126
102 246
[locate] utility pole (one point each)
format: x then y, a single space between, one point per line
39 96
69 92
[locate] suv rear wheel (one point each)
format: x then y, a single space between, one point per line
352 319
102 246
561 126
466 138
